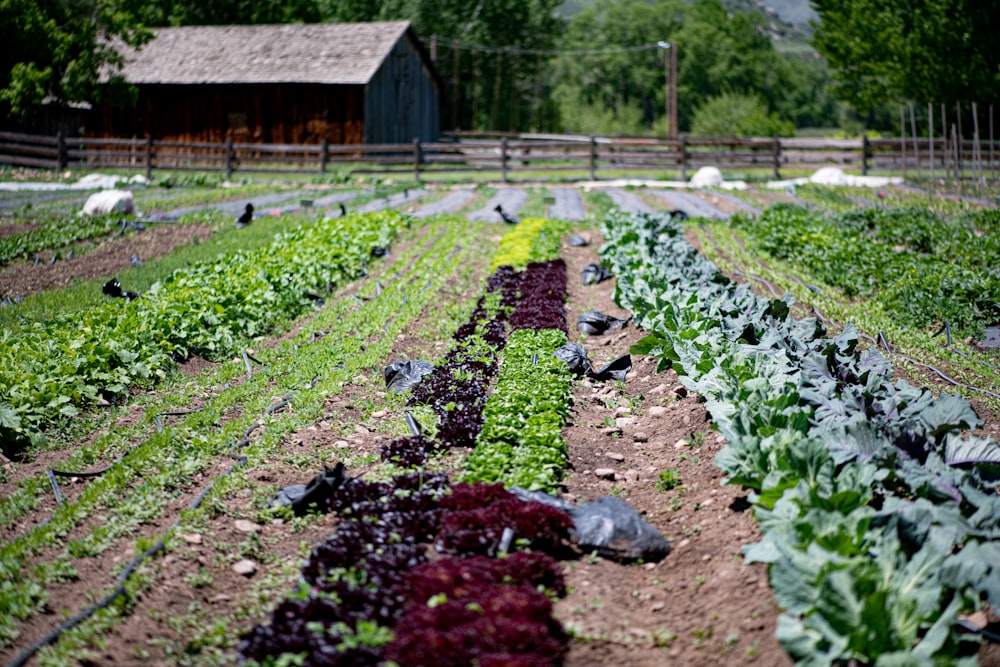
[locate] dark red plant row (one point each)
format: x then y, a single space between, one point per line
375 568
489 609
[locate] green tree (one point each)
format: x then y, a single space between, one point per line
159 13
720 52
57 49
609 72
732 114
923 50
485 55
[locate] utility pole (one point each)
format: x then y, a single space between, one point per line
670 74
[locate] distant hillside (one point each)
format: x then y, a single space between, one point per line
792 12
788 20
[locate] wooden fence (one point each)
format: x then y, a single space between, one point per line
508 157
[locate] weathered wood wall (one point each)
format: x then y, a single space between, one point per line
402 99
251 113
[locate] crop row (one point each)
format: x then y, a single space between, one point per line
881 522
369 592
50 369
58 233
926 269
344 338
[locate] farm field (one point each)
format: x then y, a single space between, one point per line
830 352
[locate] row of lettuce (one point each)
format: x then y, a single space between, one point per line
50 370
369 593
348 337
881 522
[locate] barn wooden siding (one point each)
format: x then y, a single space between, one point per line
401 100
283 113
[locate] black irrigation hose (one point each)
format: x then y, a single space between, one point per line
935 370
160 544
765 283
812 288
946 328
414 426
97 473
946 378
884 342
988 635
172 413
55 486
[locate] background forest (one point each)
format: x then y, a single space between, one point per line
590 66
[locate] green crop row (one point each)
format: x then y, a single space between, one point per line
533 240
48 370
925 269
881 523
58 232
352 336
521 442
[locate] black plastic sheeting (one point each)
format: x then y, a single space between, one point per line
314 495
595 273
609 526
595 323
574 355
401 375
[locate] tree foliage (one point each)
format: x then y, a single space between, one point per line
56 49
740 115
924 50
719 52
159 13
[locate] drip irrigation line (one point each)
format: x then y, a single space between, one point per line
935 370
413 425
884 342
765 283
172 413
160 544
812 288
946 328
988 635
948 379
55 486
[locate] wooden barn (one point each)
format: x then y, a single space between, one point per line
349 83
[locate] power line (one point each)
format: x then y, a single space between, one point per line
467 46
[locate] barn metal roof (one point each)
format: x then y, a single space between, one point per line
331 53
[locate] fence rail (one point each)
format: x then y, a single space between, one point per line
514 157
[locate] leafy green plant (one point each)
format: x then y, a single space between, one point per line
810 429
668 479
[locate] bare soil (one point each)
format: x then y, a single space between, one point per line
701 605
97 259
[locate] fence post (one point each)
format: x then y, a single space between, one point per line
229 158
593 158
503 159
416 159
684 157
149 157
61 160
864 154
324 155
777 157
